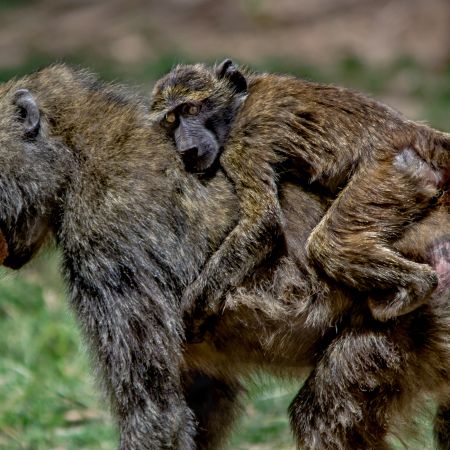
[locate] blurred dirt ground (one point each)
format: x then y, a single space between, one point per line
316 31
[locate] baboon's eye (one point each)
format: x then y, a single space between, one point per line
194 110
190 109
171 117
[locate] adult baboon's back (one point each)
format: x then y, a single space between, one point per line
80 160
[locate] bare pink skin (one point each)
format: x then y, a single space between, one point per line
440 260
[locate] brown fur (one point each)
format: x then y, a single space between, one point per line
370 379
135 230
326 137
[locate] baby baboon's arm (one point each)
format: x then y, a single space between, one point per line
260 226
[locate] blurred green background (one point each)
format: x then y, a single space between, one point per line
396 50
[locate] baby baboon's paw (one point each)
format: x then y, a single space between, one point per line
200 309
406 299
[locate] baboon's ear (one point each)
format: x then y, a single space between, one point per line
226 69
28 112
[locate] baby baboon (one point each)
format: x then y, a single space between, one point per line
327 136
79 160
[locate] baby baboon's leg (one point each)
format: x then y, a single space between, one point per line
215 404
353 241
345 402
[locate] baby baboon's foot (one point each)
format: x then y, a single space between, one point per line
406 299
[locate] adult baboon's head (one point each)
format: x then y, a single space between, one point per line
31 175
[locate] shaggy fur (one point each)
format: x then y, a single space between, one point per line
327 137
135 230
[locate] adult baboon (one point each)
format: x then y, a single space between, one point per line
80 160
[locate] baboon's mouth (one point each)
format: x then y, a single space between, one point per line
3 248
8 258
11 257
19 244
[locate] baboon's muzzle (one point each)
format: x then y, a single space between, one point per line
3 248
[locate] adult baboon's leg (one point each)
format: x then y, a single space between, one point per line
346 402
215 404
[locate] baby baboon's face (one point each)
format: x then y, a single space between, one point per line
196 106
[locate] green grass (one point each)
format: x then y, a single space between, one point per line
47 398
265 424
14 4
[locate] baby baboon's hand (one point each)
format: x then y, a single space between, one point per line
200 305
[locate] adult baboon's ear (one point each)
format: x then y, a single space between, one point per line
28 111
226 69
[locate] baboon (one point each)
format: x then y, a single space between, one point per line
74 157
328 136
82 160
